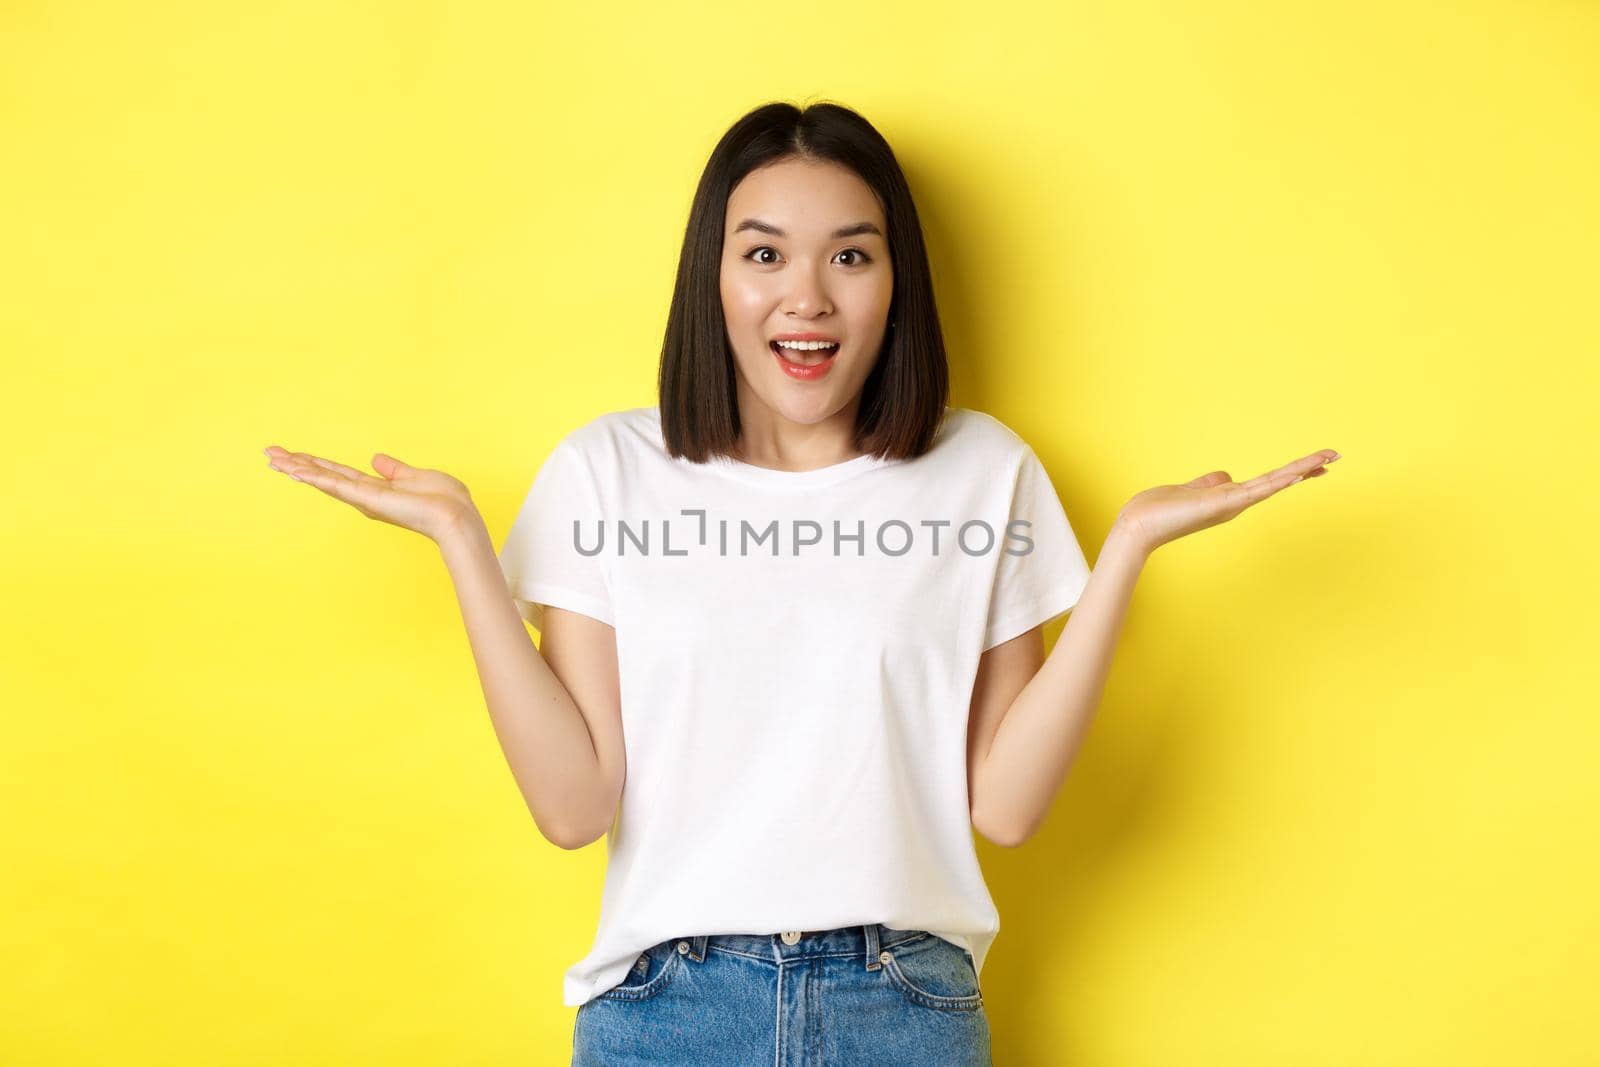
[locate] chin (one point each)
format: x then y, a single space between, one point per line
797 404
796 401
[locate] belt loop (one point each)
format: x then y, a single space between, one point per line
697 947
871 930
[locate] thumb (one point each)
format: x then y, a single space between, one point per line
1207 480
390 467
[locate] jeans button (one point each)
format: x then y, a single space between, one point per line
790 936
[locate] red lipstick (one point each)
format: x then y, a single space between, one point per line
805 366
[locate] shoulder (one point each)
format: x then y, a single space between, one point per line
615 434
981 437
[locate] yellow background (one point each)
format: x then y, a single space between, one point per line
1339 804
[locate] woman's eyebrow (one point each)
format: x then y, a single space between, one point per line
843 231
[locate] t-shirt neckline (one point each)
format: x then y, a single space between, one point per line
811 479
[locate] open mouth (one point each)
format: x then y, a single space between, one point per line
809 356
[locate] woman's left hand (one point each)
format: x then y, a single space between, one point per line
1168 512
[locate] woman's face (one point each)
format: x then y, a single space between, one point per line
805 251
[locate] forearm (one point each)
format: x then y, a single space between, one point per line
541 731
1042 730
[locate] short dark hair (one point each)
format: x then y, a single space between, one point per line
903 398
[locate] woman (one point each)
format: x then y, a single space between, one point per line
812 593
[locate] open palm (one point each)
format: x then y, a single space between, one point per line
415 498
1168 512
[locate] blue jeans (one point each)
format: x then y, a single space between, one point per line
853 995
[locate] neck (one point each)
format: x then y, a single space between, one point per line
768 439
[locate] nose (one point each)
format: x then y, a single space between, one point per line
807 297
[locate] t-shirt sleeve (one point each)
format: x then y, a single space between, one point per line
1034 583
541 557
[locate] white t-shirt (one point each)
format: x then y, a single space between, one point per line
797 653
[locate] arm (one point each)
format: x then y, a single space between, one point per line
1015 775
1029 717
561 739
556 709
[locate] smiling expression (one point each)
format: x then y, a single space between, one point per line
805 252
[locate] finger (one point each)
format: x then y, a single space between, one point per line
1207 480
281 459
390 467
355 493
1301 466
1316 472
303 457
296 464
298 461
1258 489
348 472
285 460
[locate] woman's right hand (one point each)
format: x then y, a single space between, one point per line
427 501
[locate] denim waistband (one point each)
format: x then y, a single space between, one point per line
864 941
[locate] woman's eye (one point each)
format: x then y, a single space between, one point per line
755 255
